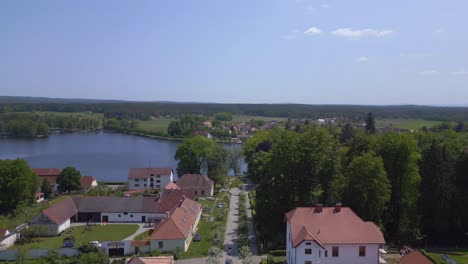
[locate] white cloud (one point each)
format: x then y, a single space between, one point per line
438 30
428 72
461 72
362 59
313 31
358 33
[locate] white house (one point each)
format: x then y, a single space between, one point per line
331 235
149 178
57 217
7 239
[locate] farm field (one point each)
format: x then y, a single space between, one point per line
98 232
246 118
155 124
405 123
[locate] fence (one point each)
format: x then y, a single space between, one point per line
12 254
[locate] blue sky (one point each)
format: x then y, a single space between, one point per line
239 51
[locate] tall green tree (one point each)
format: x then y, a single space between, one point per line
201 155
370 123
347 132
401 155
18 184
46 188
234 160
69 179
368 188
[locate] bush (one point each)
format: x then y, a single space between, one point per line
88 248
263 261
177 253
278 253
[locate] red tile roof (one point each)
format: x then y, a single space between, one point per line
3 231
415 257
152 260
50 179
171 185
62 211
179 225
143 173
46 171
331 227
87 181
188 181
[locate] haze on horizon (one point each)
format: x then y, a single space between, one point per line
263 51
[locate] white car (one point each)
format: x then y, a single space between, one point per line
96 243
220 205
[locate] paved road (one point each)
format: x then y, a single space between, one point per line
230 235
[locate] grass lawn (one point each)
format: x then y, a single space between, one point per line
143 236
207 230
26 214
406 123
459 255
155 124
99 233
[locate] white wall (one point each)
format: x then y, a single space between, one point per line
114 217
348 254
8 241
163 181
64 226
127 246
169 245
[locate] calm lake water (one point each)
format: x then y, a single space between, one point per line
107 156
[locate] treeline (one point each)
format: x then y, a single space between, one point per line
412 185
38 124
144 110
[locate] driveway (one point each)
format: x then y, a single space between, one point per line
230 235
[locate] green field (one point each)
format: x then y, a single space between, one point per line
459 255
247 118
155 124
99 233
74 114
405 123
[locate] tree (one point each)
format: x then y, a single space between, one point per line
69 179
368 189
400 155
223 116
460 126
200 154
46 188
234 160
93 258
370 123
347 132
18 184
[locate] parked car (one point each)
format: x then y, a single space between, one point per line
228 261
220 205
68 243
197 237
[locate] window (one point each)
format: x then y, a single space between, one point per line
335 251
137 180
362 251
196 192
202 192
125 213
320 253
131 215
158 186
326 253
160 244
308 251
308 243
119 215
158 176
307 262
144 185
137 185
158 181
152 174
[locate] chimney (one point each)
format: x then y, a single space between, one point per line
318 208
338 208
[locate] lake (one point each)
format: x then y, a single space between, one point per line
107 156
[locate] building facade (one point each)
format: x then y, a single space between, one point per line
149 178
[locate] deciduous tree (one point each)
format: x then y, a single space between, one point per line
69 179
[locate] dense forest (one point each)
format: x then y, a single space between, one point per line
38 124
413 185
144 110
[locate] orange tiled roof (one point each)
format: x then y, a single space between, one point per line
415 257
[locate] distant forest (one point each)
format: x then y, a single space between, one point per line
144 110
